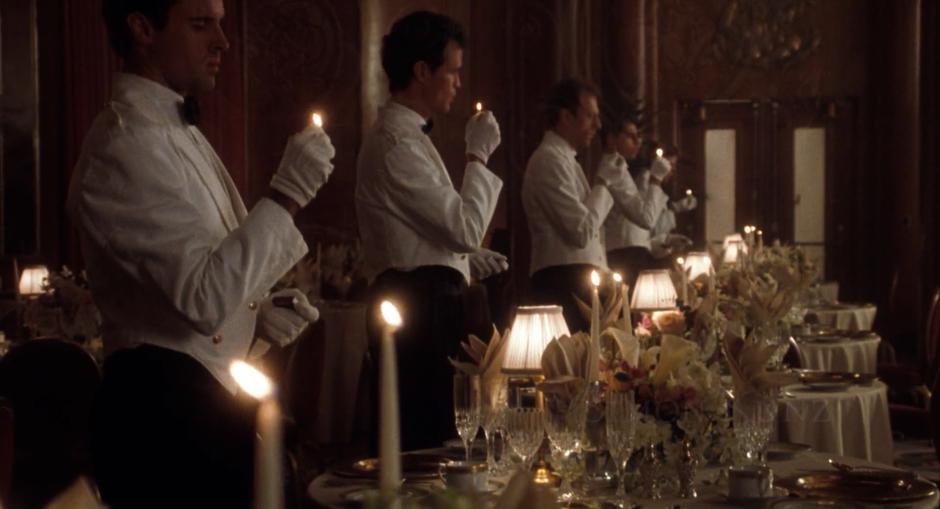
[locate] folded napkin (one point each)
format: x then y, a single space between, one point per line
565 365
610 309
747 362
487 362
523 493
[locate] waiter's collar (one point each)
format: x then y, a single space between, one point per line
555 140
405 116
140 91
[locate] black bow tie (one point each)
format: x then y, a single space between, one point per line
189 110
426 128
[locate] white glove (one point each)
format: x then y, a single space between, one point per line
281 325
482 135
660 168
685 204
485 263
305 165
611 170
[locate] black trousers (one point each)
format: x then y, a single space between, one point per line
630 261
431 300
168 434
558 285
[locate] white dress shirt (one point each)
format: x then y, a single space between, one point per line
409 213
641 208
629 230
174 259
564 213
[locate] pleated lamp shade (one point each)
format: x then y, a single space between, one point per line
33 280
733 251
533 328
698 263
654 291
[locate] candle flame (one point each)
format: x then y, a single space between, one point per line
479 106
688 192
680 260
316 119
595 278
617 277
250 379
390 314
659 152
760 232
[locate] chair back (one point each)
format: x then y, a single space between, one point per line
932 335
51 385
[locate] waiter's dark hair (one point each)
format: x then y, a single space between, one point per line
420 36
614 117
566 95
115 13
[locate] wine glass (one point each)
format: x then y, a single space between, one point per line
491 422
526 433
622 416
754 415
564 421
467 408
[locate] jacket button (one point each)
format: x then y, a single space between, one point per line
252 305
217 338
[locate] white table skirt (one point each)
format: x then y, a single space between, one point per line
346 343
851 355
853 422
844 316
329 490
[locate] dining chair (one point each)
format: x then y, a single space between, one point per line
51 385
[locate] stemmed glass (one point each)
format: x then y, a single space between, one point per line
467 400
622 416
564 423
491 422
754 414
526 433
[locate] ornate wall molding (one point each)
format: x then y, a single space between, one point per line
766 34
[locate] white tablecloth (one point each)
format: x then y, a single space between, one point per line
849 355
329 490
853 422
345 349
845 316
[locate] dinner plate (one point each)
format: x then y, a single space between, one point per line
882 486
800 503
358 497
413 466
756 501
783 451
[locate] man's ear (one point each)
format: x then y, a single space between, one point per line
565 116
421 71
141 30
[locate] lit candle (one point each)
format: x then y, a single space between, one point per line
479 106
389 436
688 192
622 287
749 236
760 239
316 119
659 152
593 374
685 280
269 455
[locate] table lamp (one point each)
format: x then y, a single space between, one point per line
532 329
654 291
698 263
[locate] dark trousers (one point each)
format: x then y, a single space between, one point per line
432 306
558 285
168 434
630 261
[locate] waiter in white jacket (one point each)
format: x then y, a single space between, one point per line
563 211
418 231
178 267
620 137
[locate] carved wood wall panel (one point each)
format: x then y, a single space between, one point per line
300 56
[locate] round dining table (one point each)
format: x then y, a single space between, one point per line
844 351
331 490
852 421
857 316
